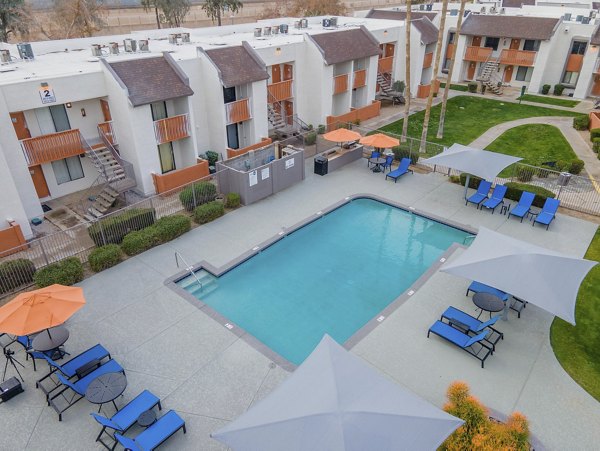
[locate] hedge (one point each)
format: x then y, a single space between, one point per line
546 89
596 145
204 192
515 189
581 122
165 229
116 227
576 166
403 151
208 212
594 133
104 257
558 89
15 273
66 272
139 241
232 200
472 86
310 138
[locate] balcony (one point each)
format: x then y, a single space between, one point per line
52 147
450 51
574 63
360 78
517 57
172 128
340 84
238 111
477 53
280 91
385 65
427 60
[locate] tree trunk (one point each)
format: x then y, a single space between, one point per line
436 68
219 17
440 132
407 76
157 17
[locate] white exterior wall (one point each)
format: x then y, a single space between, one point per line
90 175
11 207
586 75
258 126
417 56
213 93
198 112
460 65
315 85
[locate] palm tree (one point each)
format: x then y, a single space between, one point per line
436 68
440 131
407 84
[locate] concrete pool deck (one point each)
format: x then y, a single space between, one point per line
210 376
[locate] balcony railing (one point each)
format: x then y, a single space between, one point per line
340 84
52 147
172 128
477 53
107 129
280 91
427 60
360 78
450 51
238 111
517 57
384 65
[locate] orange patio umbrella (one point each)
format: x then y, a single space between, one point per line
380 141
342 135
41 309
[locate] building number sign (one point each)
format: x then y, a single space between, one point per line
47 94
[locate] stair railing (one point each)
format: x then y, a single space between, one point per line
295 119
125 165
188 268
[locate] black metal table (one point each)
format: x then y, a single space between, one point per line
106 388
50 340
147 418
377 162
488 302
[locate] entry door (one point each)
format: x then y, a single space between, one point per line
476 41
514 44
105 110
275 73
289 112
508 73
20 125
471 70
39 181
389 50
596 86
288 72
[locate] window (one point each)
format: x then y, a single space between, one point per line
570 78
524 73
159 111
531 45
52 119
578 48
233 140
165 154
229 94
67 170
451 37
446 65
492 42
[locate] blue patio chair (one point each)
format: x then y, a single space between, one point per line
400 170
496 198
127 415
158 433
374 154
80 386
548 212
25 341
517 304
472 345
389 160
523 208
482 193
467 323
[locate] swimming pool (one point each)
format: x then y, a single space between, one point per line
330 276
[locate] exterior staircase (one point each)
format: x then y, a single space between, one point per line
277 122
280 125
386 90
489 77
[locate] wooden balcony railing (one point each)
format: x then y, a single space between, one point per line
477 53
172 128
280 91
238 111
52 147
385 65
574 63
450 51
517 57
340 84
360 78
107 129
427 60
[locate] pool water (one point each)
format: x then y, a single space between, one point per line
331 276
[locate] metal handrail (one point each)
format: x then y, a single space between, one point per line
188 268
469 237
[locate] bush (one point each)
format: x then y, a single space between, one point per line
114 228
66 272
514 191
321 129
208 212
472 86
594 133
546 89
596 144
473 182
232 200
581 122
170 227
212 157
558 89
403 151
15 273
139 241
576 166
202 191
399 86
104 257
310 138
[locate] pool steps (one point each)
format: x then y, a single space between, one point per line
207 280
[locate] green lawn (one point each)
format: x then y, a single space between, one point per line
455 87
578 347
467 117
549 100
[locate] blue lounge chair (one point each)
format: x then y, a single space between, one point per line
388 163
467 323
159 432
496 199
374 154
472 345
482 193
548 212
523 208
400 170
127 416
79 387
517 304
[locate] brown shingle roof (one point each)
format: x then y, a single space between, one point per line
151 80
509 26
339 46
398 15
516 3
596 36
238 65
428 31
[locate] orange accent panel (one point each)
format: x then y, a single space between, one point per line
105 110
11 240
594 120
172 128
427 60
107 130
360 78
517 57
20 125
275 73
423 91
180 177
475 53
389 50
508 73
340 84
280 91
238 111
52 147
289 112
574 63
288 72
358 114
450 51
596 86
237 152
476 42
471 70
514 44
384 65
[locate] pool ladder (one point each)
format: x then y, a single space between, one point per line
188 268
469 237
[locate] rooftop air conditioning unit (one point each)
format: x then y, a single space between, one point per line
275 30
502 10
429 7
257 32
144 46
173 38
185 37
267 31
129 45
25 50
567 17
333 21
304 23
113 48
297 24
326 23
96 50
578 18
493 10
4 56
482 10
283 28
421 7
593 14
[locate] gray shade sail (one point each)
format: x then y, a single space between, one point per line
537 275
481 163
334 401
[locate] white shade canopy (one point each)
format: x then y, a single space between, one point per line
537 275
334 401
481 163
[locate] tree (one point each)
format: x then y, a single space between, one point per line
173 12
309 8
215 8
440 131
152 4
15 18
436 68
407 105
76 19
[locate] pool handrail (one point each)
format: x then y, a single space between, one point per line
188 267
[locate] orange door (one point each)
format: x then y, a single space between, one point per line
275 73
289 112
105 110
471 70
389 50
508 72
39 181
288 72
596 85
476 41
20 125
514 44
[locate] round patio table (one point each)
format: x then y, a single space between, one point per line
147 418
377 162
106 388
488 302
50 339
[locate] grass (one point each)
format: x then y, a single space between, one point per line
577 348
467 117
549 100
463 88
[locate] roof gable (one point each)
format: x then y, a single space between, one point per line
238 65
340 46
501 26
427 30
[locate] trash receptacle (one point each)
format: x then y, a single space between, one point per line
321 165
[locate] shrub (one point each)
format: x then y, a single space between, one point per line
66 272
212 157
581 122
310 138
112 229
15 273
546 89
208 212
232 200
203 192
321 129
139 241
104 257
558 89
170 227
473 182
399 86
576 166
472 86
596 144
594 133
403 151
514 191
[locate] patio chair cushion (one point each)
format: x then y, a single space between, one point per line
97 352
400 170
456 336
464 318
548 212
524 205
156 434
478 287
81 385
497 197
482 192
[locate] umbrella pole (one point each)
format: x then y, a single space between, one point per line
467 184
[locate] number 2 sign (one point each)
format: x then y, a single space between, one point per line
47 94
